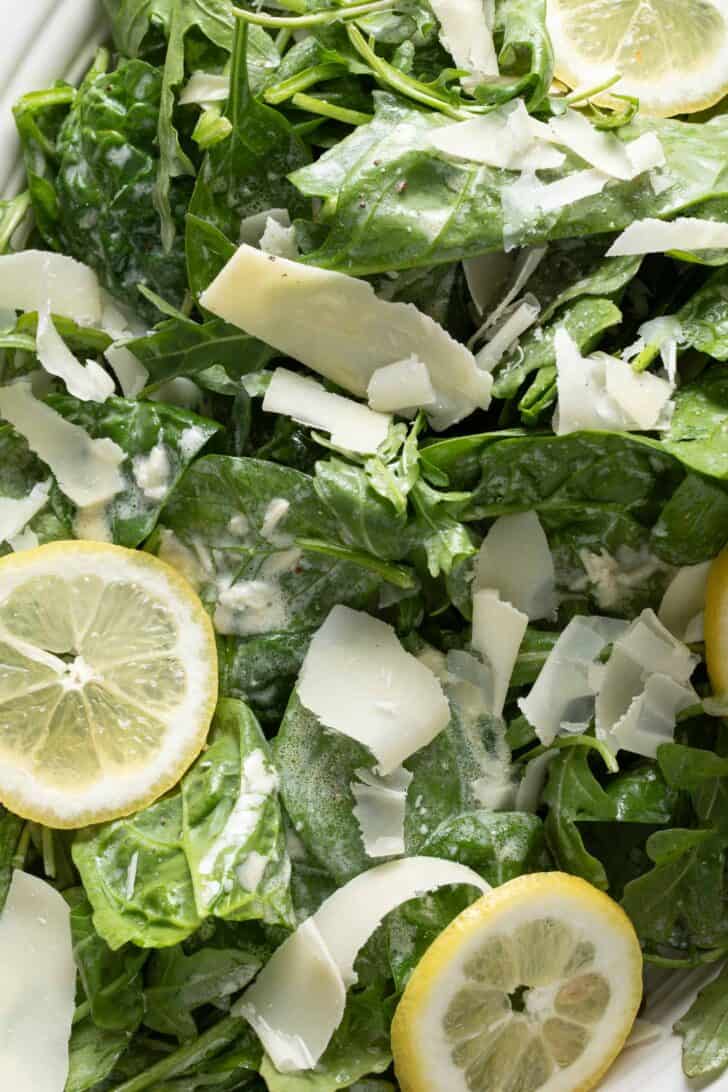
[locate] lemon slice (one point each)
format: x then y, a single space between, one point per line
716 624
535 986
671 54
108 681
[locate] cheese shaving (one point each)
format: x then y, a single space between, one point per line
131 373
15 514
337 326
34 280
515 559
296 1025
498 630
402 387
604 150
252 228
351 425
687 233
89 383
380 810
507 137
466 33
86 470
358 680
204 87
506 335
683 604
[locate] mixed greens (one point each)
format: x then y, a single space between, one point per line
200 116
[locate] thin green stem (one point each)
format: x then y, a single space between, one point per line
283 37
314 18
643 360
329 110
399 575
81 1012
398 81
49 852
279 92
583 96
21 851
12 216
563 742
206 1046
696 960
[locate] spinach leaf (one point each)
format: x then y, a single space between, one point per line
262 671
698 433
704 317
138 427
10 829
92 1055
693 525
704 1029
385 181
575 268
360 1046
232 831
642 795
177 347
573 793
219 508
690 866
177 984
137 879
111 980
243 174
108 172
364 518
497 845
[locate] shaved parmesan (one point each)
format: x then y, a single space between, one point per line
562 698
130 372
528 795
525 198
658 236
507 137
26 540
204 87
86 470
32 280
380 809
505 336
152 472
683 604
296 1025
604 392
279 240
604 150
628 704
498 629
401 387
359 681
15 514
516 560
666 333
38 987
90 383
466 33
337 326
528 261
350 424
486 277
252 228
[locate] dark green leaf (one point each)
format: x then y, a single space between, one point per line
177 348
704 1029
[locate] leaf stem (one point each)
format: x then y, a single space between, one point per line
643 360
697 960
279 92
199 1050
49 852
564 742
314 18
21 851
11 218
329 110
591 92
399 575
81 1012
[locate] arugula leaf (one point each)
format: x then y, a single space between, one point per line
364 518
93 1053
360 1046
243 174
573 793
704 1029
177 347
679 903
216 490
138 427
642 795
177 984
111 980
232 831
524 46
38 117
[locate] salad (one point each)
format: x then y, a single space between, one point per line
363 507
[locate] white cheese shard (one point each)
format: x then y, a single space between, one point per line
527 197
498 630
296 1025
515 558
358 680
153 472
506 335
507 137
89 382
351 425
204 87
402 387
632 712
252 228
612 579
688 233
528 794
666 333
131 373
337 326
25 540
604 392
32 280
380 810
86 470
604 150
37 996
527 262
466 32
487 277
16 513
279 240
683 604
562 698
